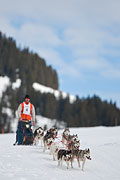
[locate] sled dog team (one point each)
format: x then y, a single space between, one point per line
69 151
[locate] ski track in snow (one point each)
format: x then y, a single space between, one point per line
31 163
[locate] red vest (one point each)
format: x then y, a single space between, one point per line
26 111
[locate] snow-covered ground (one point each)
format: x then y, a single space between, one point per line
31 163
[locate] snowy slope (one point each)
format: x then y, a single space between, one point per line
57 93
5 82
30 163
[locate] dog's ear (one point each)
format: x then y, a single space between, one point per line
88 150
67 129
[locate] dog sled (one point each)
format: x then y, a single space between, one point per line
24 134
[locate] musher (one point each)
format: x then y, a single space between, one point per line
26 116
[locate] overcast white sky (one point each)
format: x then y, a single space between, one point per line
79 38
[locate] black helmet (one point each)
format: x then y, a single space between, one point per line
27 96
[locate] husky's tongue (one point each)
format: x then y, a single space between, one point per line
89 158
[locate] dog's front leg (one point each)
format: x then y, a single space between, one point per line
67 164
83 165
59 162
50 150
72 161
62 161
36 141
78 160
53 156
45 147
41 142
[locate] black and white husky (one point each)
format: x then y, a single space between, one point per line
52 132
49 137
64 155
81 155
38 136
47 141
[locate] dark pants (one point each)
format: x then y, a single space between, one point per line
23 131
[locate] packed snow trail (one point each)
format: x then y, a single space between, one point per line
31 163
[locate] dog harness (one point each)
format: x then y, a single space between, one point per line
26 111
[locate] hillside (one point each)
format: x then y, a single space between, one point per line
30 163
